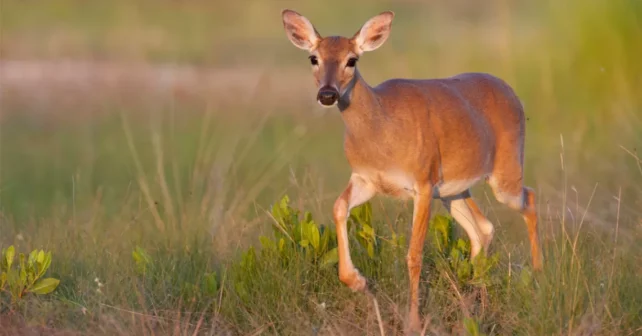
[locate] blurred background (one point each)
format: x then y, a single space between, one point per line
175 125
123 119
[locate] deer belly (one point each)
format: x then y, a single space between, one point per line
394 183
453 187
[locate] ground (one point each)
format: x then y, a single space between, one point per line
145 144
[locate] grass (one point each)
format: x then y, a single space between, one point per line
182 188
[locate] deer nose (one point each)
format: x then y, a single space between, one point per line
327 96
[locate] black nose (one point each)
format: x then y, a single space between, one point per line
327 96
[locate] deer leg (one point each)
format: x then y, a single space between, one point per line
421 213
530 217
356 193
466 212
521 199
484 226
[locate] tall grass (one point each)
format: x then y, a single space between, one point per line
190 182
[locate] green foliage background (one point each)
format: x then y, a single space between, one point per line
161 193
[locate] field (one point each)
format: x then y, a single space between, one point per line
147 144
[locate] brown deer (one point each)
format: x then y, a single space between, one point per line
419 139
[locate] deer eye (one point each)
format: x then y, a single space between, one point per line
313 60
352 62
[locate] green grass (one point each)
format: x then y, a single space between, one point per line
191 182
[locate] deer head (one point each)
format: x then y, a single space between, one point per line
334 58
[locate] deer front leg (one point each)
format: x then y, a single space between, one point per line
356 193
421 213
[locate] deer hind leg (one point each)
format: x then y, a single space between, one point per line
512 193
356 193
478 228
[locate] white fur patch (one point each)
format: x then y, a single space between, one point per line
464 216
486 227
512 201
402 183
453 187
328 106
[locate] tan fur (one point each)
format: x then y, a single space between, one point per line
424 139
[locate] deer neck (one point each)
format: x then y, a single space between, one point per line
360 107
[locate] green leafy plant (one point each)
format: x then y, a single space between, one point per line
298 256
205 286
361 216
292 235
304 251
296 239
454 254
27 275
142 260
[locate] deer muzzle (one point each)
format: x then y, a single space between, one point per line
327 96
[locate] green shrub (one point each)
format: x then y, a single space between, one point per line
26 276
296 240
295 264
293 235
300 238
453 254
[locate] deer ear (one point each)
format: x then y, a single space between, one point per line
374 32
299 30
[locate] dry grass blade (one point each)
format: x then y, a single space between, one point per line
638 161
162 180
160 225
260 330
198 325
460 298
378 314
108 107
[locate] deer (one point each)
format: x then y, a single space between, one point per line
419 139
